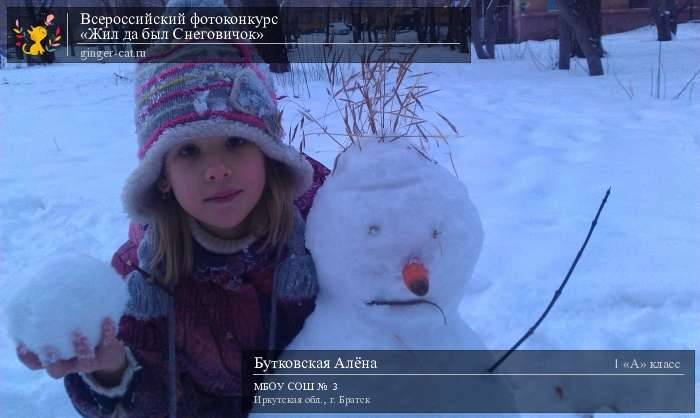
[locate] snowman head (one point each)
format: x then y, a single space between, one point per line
390 227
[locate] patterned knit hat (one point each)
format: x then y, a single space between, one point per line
193 91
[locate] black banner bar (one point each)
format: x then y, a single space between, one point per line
529 381
281 35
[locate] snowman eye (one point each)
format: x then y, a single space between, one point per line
373 230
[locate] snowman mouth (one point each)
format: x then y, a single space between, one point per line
409 302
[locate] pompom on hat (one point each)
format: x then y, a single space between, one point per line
183 92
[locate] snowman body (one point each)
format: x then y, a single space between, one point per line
398 330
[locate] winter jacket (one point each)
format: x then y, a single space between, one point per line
220 310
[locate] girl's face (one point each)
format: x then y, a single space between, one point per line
216 180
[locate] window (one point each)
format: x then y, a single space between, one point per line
552 5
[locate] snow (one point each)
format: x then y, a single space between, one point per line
538 151
65 295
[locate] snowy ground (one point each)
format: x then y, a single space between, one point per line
539 149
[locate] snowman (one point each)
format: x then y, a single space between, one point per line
394 237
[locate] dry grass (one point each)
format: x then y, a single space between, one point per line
382 100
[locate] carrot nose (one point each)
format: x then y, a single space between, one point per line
415 276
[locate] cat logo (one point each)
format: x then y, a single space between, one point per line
37 40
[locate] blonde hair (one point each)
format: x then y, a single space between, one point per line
272 218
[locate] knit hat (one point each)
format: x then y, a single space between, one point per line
192 91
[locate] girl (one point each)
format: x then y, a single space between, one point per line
215 263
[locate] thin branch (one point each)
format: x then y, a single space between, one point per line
687 84
558 292
619 83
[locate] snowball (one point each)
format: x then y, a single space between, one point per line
63 295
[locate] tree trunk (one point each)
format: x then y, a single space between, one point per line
590 10
371 26
431 25
418 23
483 28
390 25
476 29
464 30
278 55
583 35
328 24
454 26
356 12
596 23
274 55
664 14
450 26
671 7
565 38
490 29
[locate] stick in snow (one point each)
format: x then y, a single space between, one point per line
558 292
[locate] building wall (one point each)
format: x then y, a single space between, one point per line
615 4
537 6
535 26
533 21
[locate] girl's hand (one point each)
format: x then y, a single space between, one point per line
109 357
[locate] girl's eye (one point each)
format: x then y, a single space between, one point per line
188 151
235 141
